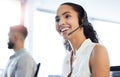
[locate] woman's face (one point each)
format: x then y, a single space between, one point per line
66 21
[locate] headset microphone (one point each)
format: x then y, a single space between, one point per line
73 31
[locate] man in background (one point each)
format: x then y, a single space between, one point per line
21 64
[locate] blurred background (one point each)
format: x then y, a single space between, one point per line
44 43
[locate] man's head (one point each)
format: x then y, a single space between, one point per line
17 34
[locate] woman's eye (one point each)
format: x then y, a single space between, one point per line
67 16
57 19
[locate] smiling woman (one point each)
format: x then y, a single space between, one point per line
87 57
9 15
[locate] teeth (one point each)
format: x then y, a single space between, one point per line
64 29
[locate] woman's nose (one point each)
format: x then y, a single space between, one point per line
61 22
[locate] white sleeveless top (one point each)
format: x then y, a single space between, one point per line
81 61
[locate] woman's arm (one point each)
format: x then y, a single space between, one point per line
99 62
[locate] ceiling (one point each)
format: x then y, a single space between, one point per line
107 10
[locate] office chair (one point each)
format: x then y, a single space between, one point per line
115 71
36 73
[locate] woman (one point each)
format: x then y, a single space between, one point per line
87 58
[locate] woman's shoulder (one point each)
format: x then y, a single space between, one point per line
99 52
99 48
99 61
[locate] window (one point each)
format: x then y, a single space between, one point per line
109 36
9 15
47 45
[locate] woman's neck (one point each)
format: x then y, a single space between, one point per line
76 43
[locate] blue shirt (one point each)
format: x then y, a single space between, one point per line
21 64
